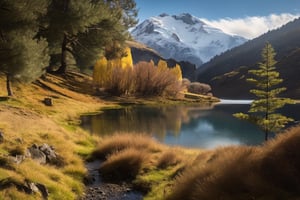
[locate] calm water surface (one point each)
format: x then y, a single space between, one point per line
189 126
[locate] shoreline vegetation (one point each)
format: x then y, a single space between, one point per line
269 171
26 121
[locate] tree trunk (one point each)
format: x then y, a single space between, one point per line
8 86
266 135
63 67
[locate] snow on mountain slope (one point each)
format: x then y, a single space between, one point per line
184 38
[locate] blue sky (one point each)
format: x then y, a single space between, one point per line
216 9
262 15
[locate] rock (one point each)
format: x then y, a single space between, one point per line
89 179
36 154
44 154
44 191
18 159
31 187
51 156
49 152
48 101
28 187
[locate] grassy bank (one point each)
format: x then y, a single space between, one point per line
25 120
270 171
139 159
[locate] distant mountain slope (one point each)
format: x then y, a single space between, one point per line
141 52
226 73
184 38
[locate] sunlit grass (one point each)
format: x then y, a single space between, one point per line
270 171
25 121
122 141
237 172
13 193
150 165
157 182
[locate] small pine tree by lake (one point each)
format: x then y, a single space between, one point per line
263 110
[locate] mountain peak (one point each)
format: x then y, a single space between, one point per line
163 15
184 37
187 18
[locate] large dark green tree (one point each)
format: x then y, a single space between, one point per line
263 110
128 10
79 31
23 55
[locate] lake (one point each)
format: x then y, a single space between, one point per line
188 126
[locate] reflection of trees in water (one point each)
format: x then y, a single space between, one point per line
193 122
157 121
225 125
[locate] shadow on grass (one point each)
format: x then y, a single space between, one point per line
5 98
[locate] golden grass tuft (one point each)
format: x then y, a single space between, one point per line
118 142
151 166
271 171
169 158
124 165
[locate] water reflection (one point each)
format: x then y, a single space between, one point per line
190 126
157 121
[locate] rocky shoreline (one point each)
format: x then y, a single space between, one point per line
97 189
111 191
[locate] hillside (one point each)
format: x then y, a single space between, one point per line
26 122
141 52
226 73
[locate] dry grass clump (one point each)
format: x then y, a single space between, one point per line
151 166
125 155
124 165
280 164
169 158
144 79
118 142
268 172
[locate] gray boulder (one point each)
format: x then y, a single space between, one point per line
36 154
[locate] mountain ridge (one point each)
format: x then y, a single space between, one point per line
226 73
141 52
184 38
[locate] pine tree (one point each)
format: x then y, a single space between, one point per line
23 55
64 21
128 9
263 109
82 30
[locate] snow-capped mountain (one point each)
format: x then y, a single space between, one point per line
184 38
